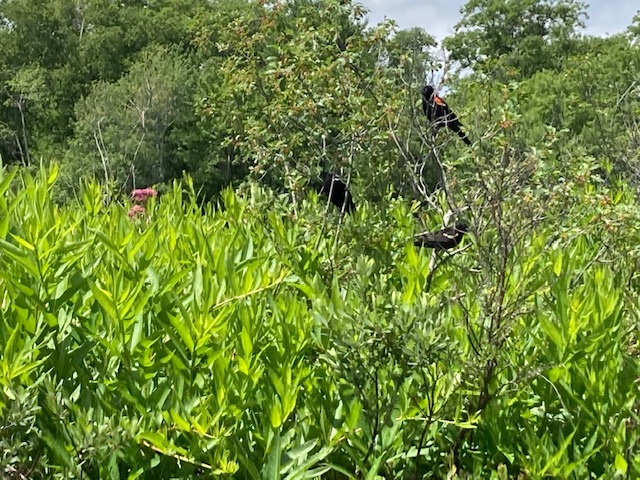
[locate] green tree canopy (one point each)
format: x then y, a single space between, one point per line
122 128
75 43
291 87
529 34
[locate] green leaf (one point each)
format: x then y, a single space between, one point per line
372 473
553 332
354 414
56 447
160 442
198 284
137 333
4 219
105 300
247 344
272 467
275 413
621 464
19 256
557 265
25 368
556 459
180 422
300 451
6 179
302 470
183 331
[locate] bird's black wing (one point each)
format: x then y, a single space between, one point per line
338 193
443 239
425 240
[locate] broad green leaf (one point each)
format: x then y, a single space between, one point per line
557 265
19 256
272 467
247 344
300 451
180 422
57 450
553 332
6 177
557 457
275 413
303 470
183 331
621 464
160 442
105 300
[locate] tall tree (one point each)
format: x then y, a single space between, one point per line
295 86
75 43
411 51
25 93
528 34
123 127
634 28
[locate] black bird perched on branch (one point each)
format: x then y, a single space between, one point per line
337 191
438 112
443 239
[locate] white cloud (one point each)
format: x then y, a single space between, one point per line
610 17
438 17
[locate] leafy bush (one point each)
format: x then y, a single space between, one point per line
252 341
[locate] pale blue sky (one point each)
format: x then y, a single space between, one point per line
438 17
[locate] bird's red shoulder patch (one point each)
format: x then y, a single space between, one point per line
438 100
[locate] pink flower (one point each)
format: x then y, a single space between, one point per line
136 209
141 194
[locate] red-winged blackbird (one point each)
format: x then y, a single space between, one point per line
438 112
337 191
443 239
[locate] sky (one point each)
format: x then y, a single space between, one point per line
438 17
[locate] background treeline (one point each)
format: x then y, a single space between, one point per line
136 92
262 335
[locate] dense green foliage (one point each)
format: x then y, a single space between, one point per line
246 341
261 334
529 35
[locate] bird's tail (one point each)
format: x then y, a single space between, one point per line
349 206
456 127
464 138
